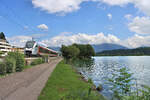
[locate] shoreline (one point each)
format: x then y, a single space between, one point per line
70 82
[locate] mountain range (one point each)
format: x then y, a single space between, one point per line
107 46
100 47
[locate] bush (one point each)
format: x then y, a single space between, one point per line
2 68
1 53
19 58
90 81
10 65
37 61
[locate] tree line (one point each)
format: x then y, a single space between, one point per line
80 51
126 52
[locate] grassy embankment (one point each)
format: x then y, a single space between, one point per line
65 81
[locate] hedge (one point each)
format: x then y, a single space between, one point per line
2 68
10 65
19 58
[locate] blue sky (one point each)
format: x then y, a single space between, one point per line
56 22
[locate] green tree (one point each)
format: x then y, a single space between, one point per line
2 36
86 51
77 51
70 52
90 50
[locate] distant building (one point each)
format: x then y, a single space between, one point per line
17 49
5 47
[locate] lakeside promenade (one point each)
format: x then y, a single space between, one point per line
28 84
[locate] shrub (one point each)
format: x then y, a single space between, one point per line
19 58
2 68
99 88
1 53
90 81
37 61
10 65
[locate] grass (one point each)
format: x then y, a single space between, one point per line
27 66
65 81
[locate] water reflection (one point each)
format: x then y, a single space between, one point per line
100 69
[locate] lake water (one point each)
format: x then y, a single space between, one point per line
102 67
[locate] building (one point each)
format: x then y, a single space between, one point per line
17 49
5 47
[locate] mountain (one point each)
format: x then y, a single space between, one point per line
100 47
141 51
55 48
107 46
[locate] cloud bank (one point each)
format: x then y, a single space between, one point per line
83 38
140 25
67 6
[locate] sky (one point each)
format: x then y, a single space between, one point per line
57 22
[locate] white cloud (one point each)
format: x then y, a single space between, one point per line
57 6
19 41
67 6
142 5
81 38
116 2
109 16
137 41
43 27
128 16
140 25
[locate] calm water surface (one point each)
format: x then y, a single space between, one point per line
102 68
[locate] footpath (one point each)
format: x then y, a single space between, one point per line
28 84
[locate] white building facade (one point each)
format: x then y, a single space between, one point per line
5 47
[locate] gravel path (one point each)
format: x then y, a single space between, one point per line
28 84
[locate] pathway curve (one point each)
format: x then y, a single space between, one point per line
28 84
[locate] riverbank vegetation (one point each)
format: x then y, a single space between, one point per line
121 82
79 51
126 52
125 87
66 84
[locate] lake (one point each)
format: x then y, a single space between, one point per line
102 68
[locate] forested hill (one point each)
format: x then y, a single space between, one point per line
107 46
126 52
